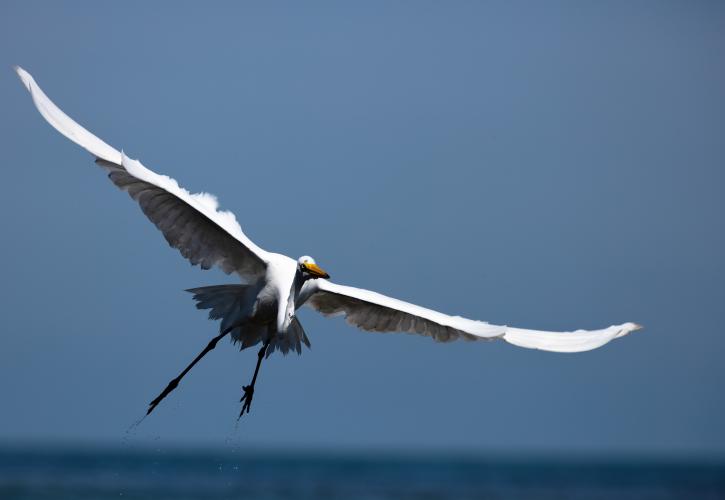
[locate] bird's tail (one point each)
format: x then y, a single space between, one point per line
226 302
233 305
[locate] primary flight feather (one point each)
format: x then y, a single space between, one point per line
263 308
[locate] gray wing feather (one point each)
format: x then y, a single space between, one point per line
199 239
378 318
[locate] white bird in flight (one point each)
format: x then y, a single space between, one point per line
263 308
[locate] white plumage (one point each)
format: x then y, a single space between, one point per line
275 286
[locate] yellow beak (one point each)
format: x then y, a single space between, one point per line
315 270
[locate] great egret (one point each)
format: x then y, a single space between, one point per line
262 309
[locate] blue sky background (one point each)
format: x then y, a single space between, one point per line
553 166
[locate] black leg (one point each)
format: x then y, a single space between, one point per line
249 389
175 382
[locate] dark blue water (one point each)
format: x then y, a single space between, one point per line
208 475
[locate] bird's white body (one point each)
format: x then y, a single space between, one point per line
274 286
281 274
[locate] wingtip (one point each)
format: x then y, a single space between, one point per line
629 328
24 76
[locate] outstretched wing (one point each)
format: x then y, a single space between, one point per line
190 223
374 312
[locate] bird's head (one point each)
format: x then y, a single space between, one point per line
309 268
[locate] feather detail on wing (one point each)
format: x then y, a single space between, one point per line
190 223
372 311
375 312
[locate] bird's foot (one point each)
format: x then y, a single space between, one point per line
246 399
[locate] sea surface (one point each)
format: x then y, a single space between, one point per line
178 475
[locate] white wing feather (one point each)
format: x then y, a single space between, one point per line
190 222
64 123
372 311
